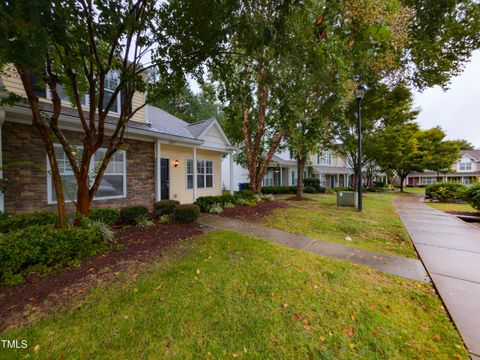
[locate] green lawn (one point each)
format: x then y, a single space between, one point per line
414 190
377 228
452 207
225 295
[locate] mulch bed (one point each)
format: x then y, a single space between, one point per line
140 245
254 213
476 214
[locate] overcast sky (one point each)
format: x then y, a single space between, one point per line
456 110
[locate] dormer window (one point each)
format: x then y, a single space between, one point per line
324 158
465 166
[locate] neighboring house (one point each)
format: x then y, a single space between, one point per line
331 169
465 170
158 162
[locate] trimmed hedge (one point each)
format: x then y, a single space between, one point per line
279 190
36 218
109 216
472 196
130 214
165 207
206 202
343 188
309 190
186 213
44 248
443 191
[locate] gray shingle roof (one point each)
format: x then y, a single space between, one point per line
197 128
166 123
473 153
329 169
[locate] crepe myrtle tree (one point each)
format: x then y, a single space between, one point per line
76 49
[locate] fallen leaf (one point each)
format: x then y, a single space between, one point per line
353 317
198 271
283 305
36 348
298 316
159 287
322 338
349 331
437 337
162 298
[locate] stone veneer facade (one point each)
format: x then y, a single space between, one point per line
26 190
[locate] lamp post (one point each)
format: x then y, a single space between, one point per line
359 95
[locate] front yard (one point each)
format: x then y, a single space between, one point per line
226 295
377 228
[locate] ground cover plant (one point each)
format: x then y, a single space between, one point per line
227 295
377 228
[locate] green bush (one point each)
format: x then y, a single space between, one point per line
109 216
309 190
279 189
443 191
165 207
244 194
472 196
36 218
206 202
315 183
45 248
130 214
186 213
343 188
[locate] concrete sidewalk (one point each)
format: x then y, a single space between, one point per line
450 250
397 265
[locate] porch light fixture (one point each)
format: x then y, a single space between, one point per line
175 163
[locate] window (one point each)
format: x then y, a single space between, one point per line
64 96
324 158
465 166
204 174
113 184
294 178
111 83
268 178
428 181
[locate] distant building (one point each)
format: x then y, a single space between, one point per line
465 170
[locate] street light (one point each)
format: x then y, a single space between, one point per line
359 95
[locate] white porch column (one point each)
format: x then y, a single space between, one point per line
194 173
231 173
158 172
2 119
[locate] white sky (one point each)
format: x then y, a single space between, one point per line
456 110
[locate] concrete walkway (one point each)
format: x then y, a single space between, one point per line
450 250
397 265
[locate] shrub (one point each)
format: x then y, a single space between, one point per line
228 205
245 194
215 209
241 201
443 191
309 190
45 248
143 221
186 213
315 183
472 196
279 189
206 202
343 188
165 207
409 186
36 218
101 229
109 216
130 214
379 184
267 197
165 219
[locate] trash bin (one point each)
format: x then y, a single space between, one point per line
347 198
243 186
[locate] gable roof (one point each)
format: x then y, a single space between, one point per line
474 154
197 128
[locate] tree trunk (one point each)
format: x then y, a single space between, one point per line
300 167
57 184
402 178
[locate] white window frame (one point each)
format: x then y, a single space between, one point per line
268 178
204 174
465 167
118 110
324 158
92 164
86 98
428 180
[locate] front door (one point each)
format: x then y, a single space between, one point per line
332 181
164 179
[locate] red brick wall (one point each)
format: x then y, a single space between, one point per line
27 186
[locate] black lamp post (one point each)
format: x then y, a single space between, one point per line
359 95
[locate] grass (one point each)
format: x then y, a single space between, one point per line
226 295
450 207
414 190
377 228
